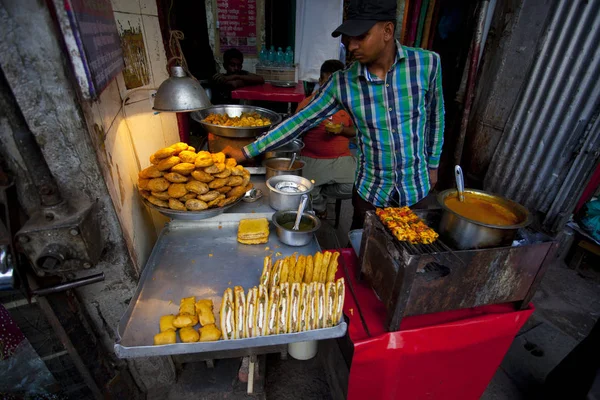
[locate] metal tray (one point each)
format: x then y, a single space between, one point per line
236 111
201 259
191 215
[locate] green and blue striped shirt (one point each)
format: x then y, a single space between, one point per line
400 124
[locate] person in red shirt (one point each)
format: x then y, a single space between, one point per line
326 153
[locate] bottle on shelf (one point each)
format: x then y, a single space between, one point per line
289 57
263 56
271 55
279 58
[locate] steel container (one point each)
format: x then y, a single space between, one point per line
278 166
286 151
464 234
236 111
292 237
282 200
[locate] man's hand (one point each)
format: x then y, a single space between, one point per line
433 177
234 153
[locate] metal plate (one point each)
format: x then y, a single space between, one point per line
191 215
201 259
236 111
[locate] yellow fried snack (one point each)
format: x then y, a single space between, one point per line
300 267
192 149
158 202
285 271
223 174
202 176
332 268
223 189
143 183
187 156
304 307
166 337
262 309
145 194
166 323
154 160
184 320
230 162
245 119
197 187
275 275
209 333
266 272
203 159
253 228
239 301
209 196
196 205
213 169
226 202
190 195
250 317
324 266
189 335
273 311
235 181
175 204
292 267
187 305
179 147
330 299
174 177
294 312
183 168
150 172
217 183
320 305
204 310
339 302
158 185
216 201
284 308
218 157
308 271
227 315
168 163
177 190
318 260
313 308
238 170
164 153
161 195
237 191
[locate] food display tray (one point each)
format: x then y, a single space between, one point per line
202 259
192 215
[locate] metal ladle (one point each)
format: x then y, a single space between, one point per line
303 201
292 162
460 182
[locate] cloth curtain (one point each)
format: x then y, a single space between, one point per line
315 20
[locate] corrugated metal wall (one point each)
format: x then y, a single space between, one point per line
551 142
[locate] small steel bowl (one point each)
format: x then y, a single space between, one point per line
289 236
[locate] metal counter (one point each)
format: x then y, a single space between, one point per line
202 259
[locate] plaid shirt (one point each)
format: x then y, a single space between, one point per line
400 123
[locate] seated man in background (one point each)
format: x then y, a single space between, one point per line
326 152
234 78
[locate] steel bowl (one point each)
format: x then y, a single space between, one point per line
236 111
286 151
289 236
463 233
278 166
281 199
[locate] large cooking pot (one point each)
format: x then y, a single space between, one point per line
463 233
286 151
285 191
279 166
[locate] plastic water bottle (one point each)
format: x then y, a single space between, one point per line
263 57
279 59
289 57
272 55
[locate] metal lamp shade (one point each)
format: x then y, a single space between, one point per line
180 93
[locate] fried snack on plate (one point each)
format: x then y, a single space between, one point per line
187 305
202 176
196 205
332 268
150 172
320 305
213 169
230 162
294 313
154 160
266 272
177 190
253 231
235 181
300 268
145 193
308 271
262 309
209 196
239 302
164 153
245 180
192 149
318 261
238 170
227 315
324 266
187 156
223 174
175 204
168 163
313 307
218 157
158 184
179 147
250 317
161 195
204 310
203 160
174 177
215 202
304 307
166 323
330 299
292 267
143 183
197 187
166 337
183 168
275 275
209 333
223 189
284 308
339 302
237 191
183 320
273 311
285 271
158 202
226 202
189 335
190 195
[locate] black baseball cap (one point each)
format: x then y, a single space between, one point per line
363 14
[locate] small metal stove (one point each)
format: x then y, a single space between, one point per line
423 279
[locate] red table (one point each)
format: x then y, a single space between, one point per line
268 92
449 355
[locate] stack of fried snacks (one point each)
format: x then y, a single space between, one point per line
247 119
181 179
190 312
291 307
406 225
253 231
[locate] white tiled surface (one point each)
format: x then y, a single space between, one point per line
128 6
148 7
155 50
109 104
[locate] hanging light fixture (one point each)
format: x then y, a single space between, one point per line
180 93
